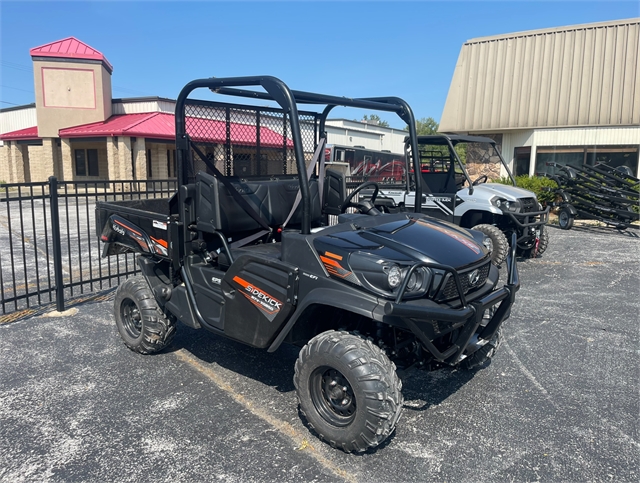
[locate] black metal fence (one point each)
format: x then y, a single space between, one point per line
49 249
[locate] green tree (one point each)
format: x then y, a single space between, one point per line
425 126
374 119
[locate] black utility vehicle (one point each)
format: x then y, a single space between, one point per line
237 255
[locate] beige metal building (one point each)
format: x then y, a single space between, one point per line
569 95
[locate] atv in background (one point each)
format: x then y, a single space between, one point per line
244 250
499 211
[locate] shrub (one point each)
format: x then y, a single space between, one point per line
536 184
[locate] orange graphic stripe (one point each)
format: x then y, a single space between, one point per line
329 261
128 227
159 241
241 281
333 255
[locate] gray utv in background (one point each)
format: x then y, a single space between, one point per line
497 210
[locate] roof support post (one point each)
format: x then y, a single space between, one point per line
46 163
113 162
126 162
67 159
140 158
20 157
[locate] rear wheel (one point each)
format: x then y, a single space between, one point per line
499 246
348 390
142 325
565 218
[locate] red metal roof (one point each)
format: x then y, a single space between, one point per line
70 48
21 134
159 125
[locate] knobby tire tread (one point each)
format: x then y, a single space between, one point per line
380 386
500 243
158 330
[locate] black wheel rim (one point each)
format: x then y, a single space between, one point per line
131 318
332 396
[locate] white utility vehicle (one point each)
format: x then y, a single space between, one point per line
495 209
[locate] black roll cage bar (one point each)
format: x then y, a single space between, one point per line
288 100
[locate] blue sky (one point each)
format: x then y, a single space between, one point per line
406 49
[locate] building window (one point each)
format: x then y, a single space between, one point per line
81 163
92 158
171 163
577 156
241 164
521 161
87 162
149 175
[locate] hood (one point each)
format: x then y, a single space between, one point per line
508 192
410 238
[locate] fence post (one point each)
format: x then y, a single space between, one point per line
57 249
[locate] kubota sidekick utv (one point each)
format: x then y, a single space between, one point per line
244 249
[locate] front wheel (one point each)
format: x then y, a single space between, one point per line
498 244
482 356
142 325
539 246
348 390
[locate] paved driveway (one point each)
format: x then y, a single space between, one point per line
560 402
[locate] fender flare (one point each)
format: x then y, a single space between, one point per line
570 207
360 304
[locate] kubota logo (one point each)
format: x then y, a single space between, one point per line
474 277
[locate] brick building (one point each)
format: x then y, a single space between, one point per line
77 132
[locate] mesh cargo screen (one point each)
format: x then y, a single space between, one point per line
246 141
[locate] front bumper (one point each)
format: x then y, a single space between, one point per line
526 220
469 316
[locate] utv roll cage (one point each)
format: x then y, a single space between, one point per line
452 140
288 100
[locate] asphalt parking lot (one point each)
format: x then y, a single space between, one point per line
559 402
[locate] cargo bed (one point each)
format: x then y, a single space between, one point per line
134 226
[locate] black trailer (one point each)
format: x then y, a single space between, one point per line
244 249
600 192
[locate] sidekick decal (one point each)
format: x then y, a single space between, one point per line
265 302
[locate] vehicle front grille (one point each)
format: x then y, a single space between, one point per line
450 291
529 205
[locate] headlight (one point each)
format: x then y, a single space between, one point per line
385 277
506 205
488 244
394 276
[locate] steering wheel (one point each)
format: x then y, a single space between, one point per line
479 178
366 207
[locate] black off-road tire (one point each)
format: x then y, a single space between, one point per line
348 390
143 326
565 218
544 240
482 356
542 245
499 241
